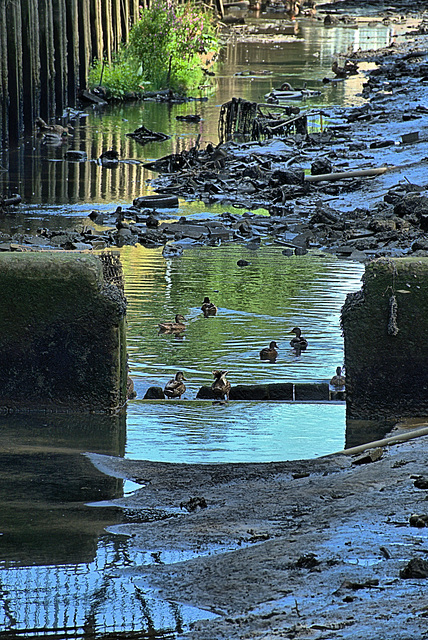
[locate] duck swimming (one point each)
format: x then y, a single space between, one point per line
175 387
298 343
208 308
173 327
221 387
270 352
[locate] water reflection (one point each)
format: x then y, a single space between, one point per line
60 573
201 432
44 481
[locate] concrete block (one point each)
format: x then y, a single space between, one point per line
386 341
62 334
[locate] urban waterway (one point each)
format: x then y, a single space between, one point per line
61 574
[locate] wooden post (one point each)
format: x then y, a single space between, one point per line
4 104
46 55
14 67
60 61
31 66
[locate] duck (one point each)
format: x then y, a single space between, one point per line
173 327
175 387
208 308
111 155
221 387
270 352
336 386
298 343
55 129
130 391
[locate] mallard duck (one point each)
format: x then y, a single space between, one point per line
221 387
173 327
175 387
130 391
336 386
298 343
56 129
208 308
270 352
338 380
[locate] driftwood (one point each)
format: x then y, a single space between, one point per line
7 202
143 135
340 175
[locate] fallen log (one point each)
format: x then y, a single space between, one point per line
13 200
401 437
340 175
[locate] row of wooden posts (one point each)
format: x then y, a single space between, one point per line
46 49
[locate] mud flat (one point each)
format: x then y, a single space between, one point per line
334 547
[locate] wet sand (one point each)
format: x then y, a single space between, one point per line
307 549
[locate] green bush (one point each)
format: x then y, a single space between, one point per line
120 78
167 48
169 43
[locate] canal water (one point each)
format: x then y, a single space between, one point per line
61 574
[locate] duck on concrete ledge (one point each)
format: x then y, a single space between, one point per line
221 387
175 387
336 386
270 352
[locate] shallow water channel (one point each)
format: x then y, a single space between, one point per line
61 574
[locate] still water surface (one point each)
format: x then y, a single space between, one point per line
59 570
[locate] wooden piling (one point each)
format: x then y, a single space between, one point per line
46 49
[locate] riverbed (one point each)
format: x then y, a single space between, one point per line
60 570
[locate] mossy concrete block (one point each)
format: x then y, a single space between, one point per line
278 391
62 334
386 341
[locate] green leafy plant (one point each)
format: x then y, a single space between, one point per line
120 78
170 42
167 48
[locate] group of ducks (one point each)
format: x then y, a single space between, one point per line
176 387
220 388
298 344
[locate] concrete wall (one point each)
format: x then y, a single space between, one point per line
386 341
62 334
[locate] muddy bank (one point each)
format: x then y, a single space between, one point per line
310 549
351 215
